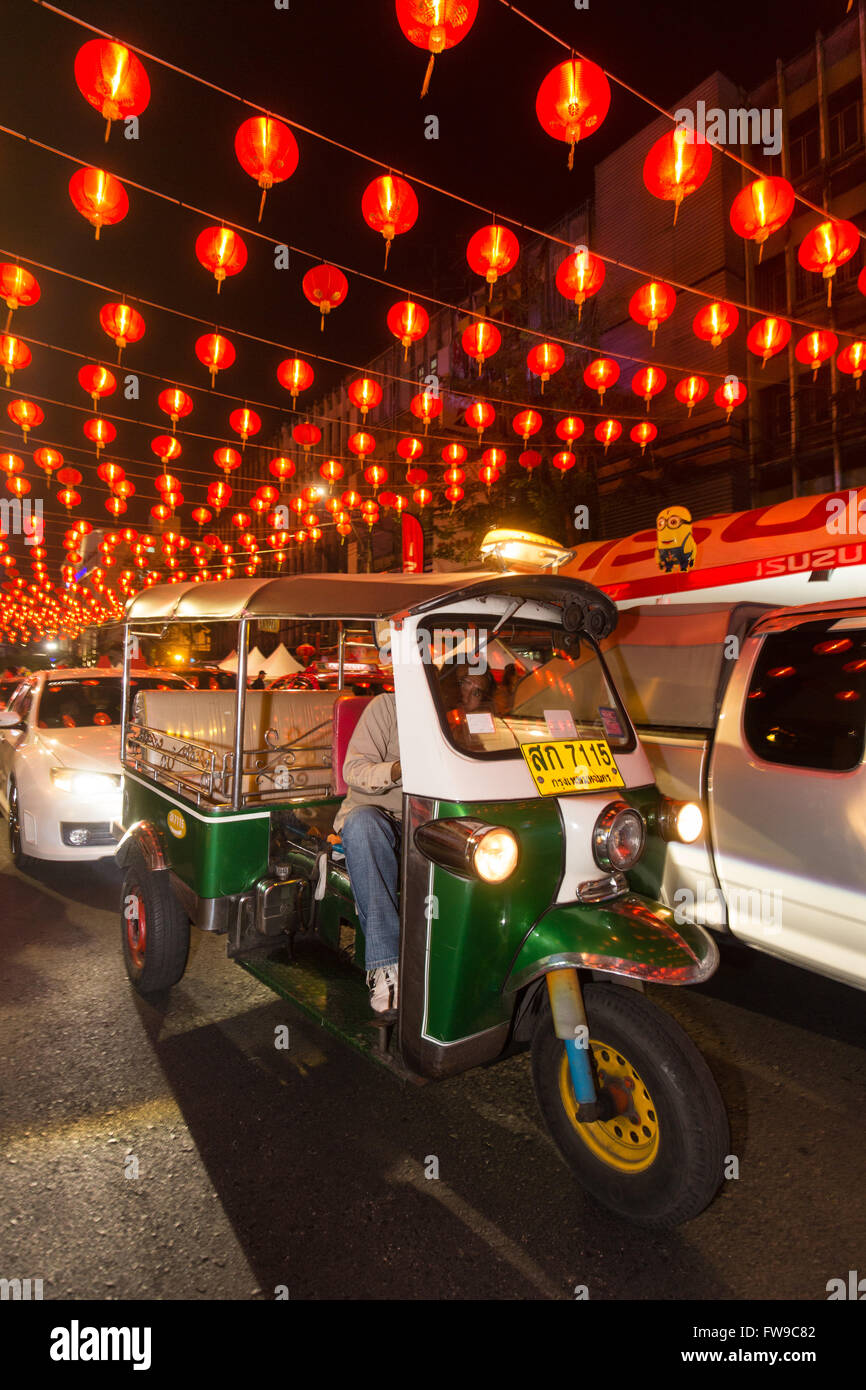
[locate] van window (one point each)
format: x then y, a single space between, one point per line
806 704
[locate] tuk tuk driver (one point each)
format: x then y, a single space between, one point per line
370 823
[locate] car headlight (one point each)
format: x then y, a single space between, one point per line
470 848
679 820
84 784
618 837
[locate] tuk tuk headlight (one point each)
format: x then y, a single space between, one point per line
470 848
678 820
618 837
495 856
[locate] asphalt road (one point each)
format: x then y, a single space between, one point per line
173 1152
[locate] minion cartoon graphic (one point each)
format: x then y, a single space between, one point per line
675 548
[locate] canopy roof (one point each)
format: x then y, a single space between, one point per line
356 596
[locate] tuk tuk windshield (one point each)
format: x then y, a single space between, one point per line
522 684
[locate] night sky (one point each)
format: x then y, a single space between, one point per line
347 71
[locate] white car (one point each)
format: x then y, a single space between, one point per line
60 761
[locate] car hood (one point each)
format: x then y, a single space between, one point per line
87 750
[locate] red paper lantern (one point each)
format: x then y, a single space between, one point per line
545 359
454 494
13 355
97 382
601 374
730 395
267 151
364 393
569 428
607 432
361 443
69 498
488 475
376 475
216 352
572 101
408 322
201 516
122 323
495 458
426 407
648 382
295 375
455 475
245 422
49 460
761 208
480 416
861 281
389 206
815 348
643 434
422 497
331 470
218 494
326 287
410 448
307 435
579 277
18 287
480 341
691 391
852 360
99 197
828 246
677 165
26 414
70 477
526 423
163 484
492 252
227 459
530 459
175 404
112 79
242 520
455 454
166 447
416 476
160 512
715 322
19 487
563 460
652 304
282 468
767 337
435 27
110 473
268 493
222 251
351 499
11 463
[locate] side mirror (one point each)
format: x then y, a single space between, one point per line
10 720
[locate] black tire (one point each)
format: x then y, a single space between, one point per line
666 1168
154 928
21 860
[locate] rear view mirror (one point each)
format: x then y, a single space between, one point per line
10 720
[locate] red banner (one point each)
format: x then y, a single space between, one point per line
413 545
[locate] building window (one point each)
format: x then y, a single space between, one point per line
804 146
775 413
845 113
770 285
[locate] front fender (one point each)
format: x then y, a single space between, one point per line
142 835
631 935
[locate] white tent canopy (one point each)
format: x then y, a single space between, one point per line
255 663
281 663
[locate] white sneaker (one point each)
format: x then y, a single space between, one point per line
382 984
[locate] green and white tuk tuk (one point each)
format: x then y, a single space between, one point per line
520 822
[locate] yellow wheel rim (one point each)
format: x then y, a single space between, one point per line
630 1141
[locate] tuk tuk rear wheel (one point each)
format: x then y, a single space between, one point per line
154 928
659 1159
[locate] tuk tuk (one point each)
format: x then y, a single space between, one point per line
520 822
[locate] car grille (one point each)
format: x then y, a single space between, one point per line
96 833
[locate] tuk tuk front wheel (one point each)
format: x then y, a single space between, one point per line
154 928
659 1158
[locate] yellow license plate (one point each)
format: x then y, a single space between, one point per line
568 765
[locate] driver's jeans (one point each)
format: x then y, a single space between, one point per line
371 841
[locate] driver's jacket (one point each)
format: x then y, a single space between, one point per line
373 750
